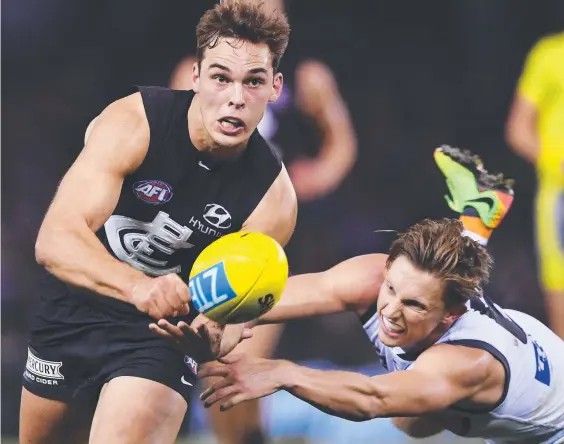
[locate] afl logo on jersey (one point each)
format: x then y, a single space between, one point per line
154 192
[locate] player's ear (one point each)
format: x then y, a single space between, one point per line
277 84
453 313
196 76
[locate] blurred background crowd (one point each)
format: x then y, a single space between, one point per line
411 76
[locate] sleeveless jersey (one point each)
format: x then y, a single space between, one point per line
179 200
532 406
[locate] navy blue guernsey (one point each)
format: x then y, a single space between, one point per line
178 201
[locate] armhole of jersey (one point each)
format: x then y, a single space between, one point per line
266 164
367 315
473 343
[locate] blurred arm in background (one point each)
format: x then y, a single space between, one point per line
521 129
318 96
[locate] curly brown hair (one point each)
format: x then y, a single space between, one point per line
243 21
438 247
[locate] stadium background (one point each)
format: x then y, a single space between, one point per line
414 74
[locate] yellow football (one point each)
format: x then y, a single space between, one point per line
238 277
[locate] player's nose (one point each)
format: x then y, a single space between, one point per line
392 311
237 97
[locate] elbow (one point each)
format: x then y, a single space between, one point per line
45 247
367 410
42 252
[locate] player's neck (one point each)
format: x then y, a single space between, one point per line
201 139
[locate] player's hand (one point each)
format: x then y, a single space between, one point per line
161 297
242 378
204 340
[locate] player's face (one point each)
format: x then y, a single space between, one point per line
235 84
410 306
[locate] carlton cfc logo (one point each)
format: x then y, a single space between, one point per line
154 192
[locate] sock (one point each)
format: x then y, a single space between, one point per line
474 228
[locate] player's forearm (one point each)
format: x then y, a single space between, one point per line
77 257
303 297
359 398
339 151
344 394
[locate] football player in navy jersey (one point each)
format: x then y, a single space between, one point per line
162 174
311 128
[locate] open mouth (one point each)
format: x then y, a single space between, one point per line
231 125
390 328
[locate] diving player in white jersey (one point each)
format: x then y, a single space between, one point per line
455 360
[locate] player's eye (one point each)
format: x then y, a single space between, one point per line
255 81
414 304
219 78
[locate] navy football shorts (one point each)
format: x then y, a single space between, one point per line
75 347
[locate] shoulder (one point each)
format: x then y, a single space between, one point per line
549 43
122 131
127 114
281 197
466 364
545 50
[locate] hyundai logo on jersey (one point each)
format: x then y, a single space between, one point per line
217 216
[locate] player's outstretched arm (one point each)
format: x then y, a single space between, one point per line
442 376
352 285
67 245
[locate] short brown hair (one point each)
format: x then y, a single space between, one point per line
438 247
243 20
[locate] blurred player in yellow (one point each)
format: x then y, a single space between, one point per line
535 130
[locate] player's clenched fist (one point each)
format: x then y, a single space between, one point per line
161 297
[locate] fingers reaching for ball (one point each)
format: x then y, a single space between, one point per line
242 378
204 340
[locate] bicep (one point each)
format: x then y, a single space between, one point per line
354 284
88 192
522 120
276 213
343 287
523 112
411 393
441 376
